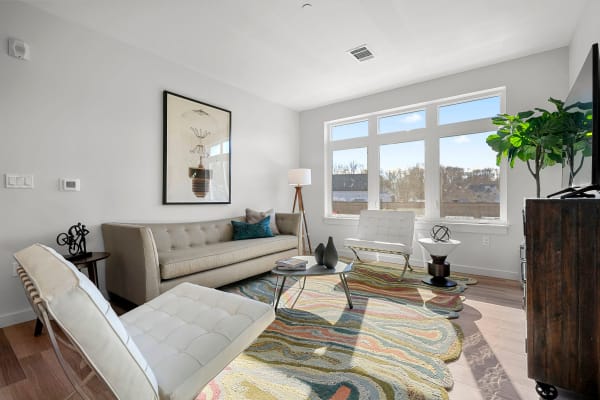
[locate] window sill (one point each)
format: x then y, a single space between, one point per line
480 226
345 220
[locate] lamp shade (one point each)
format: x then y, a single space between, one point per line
299 177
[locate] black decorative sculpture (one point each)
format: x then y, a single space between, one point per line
440 233
75 239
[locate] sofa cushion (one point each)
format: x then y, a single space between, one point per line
190 333
253 216
244 230
177 236
89 321
176 263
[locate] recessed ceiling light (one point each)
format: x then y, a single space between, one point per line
306 5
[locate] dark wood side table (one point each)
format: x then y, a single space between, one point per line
89 263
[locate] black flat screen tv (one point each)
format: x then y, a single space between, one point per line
581 174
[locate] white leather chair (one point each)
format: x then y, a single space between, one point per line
386 232
168 348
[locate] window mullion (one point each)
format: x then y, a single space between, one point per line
373 165
328 166
432 165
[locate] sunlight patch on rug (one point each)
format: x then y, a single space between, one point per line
388 346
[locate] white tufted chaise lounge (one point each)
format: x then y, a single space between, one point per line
168 348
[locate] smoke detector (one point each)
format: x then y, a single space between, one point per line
361 53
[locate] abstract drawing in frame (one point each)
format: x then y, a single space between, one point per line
196 158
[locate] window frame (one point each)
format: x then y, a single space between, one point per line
394 113
430 135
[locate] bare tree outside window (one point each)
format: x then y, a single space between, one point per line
349 181
402 177
469 186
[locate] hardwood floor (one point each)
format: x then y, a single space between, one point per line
492 366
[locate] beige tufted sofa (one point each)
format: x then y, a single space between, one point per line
149 259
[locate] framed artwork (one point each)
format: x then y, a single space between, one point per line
196 152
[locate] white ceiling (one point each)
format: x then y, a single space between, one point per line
297 56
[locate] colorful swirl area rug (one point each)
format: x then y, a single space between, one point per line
394 343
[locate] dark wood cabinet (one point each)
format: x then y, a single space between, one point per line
563 291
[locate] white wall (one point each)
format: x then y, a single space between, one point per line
587 33
89 107
529 82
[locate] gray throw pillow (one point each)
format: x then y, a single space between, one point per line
253 216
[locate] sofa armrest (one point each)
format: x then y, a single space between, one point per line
132 270
288 224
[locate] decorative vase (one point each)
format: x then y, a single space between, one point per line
319 253
330 256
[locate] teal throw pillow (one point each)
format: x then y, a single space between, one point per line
243 230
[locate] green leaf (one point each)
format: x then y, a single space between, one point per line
525 114
492 137
516 141
558 103
529 151
556 158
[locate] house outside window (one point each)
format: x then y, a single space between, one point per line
430 158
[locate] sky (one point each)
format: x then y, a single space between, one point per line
409 154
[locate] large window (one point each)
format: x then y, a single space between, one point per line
349 185
349 131
469 185
402 122
430 158
402 179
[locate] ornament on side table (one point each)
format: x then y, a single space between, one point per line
75 239
440 233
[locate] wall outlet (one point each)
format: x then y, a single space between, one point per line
485 241
14 268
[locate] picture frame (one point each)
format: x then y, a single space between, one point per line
196 151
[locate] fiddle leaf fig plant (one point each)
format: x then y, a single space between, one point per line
534 137
576 135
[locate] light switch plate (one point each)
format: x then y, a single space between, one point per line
18 181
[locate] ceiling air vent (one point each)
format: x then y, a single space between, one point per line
361 53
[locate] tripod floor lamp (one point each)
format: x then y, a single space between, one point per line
298 178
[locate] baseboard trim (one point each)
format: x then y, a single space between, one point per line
17 317
465 269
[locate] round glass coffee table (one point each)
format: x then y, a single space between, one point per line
312 269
